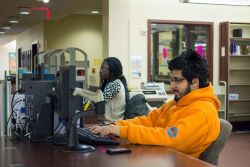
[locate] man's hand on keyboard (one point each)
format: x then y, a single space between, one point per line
106 130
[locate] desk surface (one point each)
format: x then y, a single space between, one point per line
26 154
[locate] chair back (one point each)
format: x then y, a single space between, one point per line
211 154
136 106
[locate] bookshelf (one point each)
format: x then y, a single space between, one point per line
235 68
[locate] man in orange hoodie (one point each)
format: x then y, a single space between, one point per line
189 123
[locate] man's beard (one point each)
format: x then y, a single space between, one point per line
186 91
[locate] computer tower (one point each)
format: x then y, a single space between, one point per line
39 102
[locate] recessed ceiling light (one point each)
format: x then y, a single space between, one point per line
6 27
13 19
24 10
95 12
24 13
46 1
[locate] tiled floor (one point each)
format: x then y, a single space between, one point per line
236 152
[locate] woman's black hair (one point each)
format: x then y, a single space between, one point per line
115 69
192 66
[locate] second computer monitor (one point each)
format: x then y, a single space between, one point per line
68 104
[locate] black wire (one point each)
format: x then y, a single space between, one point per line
21 123
14 112
16 100
59 130
8 134
14 94
11 104
16 103
11 116
13 97
57 126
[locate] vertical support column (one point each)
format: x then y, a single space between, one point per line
5 104
118 37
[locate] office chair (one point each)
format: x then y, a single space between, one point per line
136 106
211 154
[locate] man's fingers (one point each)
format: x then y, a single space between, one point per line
104 132
95 129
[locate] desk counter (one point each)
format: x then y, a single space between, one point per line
26 154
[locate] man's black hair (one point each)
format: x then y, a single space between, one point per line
192 66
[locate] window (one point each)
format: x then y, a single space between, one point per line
167 39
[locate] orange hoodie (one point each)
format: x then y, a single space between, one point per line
189 125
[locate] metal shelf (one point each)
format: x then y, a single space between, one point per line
239 39
239 84
238 115
240 100
238 69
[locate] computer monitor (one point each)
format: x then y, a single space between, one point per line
68 104
44 97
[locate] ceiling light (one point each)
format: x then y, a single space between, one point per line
24 13
95 12
6 27
45 1
220 2
24 10
2 32
13 19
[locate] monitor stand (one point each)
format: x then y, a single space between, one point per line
73 143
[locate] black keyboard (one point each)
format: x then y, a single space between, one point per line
85 136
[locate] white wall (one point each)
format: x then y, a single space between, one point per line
4 57
118 32
105 28
26 38
139 11
80 31
6 39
